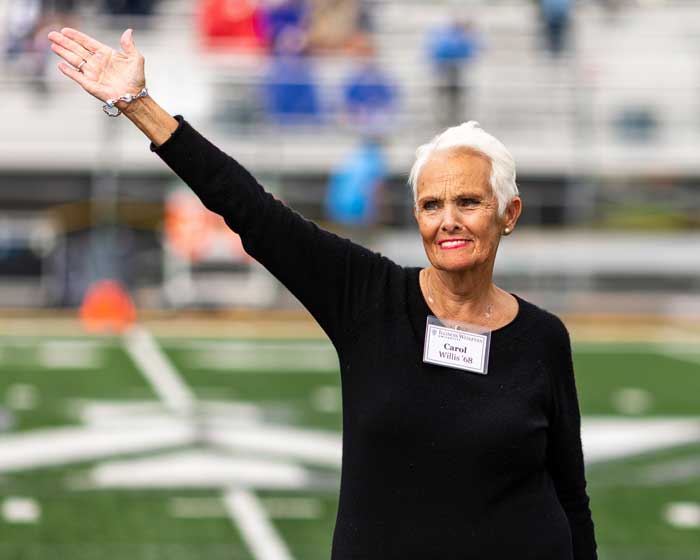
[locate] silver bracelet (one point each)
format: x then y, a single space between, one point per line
112 110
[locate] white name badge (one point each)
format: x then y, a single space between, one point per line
456 345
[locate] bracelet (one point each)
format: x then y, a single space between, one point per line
110 105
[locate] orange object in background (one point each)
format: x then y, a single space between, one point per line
197 234
107 308
231 24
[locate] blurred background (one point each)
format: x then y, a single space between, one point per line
161 395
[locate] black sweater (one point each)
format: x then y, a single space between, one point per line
437 463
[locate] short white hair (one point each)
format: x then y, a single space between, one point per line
471 136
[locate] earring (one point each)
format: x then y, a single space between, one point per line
507 231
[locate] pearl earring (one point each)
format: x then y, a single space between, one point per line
507 231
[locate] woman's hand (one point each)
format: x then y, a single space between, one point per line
106 74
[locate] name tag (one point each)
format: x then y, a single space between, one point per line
456 346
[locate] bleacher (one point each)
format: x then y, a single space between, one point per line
645 60
617 119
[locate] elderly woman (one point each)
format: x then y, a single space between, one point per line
461 426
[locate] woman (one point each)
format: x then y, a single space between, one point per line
438 462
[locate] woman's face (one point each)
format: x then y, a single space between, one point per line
457 212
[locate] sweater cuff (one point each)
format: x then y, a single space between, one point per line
173 136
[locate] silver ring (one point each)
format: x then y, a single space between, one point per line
81 65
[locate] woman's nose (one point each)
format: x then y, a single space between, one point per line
450 219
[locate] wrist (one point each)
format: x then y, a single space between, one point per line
115 107
132 107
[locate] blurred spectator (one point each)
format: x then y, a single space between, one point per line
365 23
231 24
280 15
22 19
451 48
637 123
129 7
26 47
355 186
334 23
556 20
369 95
613 9
290 85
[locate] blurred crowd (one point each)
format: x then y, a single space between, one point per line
260 25
291 36
26 48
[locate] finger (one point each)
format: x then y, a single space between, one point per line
70 45
87 42
74 75
127 42
67 55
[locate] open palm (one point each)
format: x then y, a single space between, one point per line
106 74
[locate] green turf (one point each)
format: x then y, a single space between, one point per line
57 390
110 523
674 384
629 509
140 525
308 539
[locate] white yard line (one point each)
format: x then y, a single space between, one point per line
158 370
61 446
606 438
256 529
308 446
192 468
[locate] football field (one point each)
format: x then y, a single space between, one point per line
145 447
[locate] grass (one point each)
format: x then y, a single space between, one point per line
140 525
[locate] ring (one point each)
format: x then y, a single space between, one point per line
81 65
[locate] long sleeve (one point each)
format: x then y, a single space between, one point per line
564 450
332 277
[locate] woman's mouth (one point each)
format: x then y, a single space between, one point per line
452 243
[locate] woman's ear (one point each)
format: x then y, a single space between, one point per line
512 213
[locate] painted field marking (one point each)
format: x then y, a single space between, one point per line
316 447
234 345
69 354
22 396
122 413
158 370
237 356
196 508
293 508
260 536
199 469
606 438
683 515
60 446
670 472
17 509
256 529
631 400
687 357
327 398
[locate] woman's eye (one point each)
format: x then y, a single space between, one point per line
430 205
468 201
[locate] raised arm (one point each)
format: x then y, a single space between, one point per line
335 279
